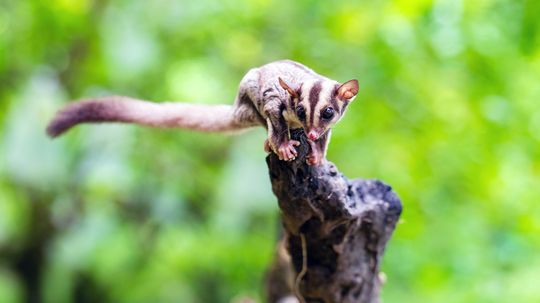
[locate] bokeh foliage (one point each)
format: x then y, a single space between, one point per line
448 114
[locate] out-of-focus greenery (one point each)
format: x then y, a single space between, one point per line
448 114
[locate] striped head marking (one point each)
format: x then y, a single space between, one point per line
320 104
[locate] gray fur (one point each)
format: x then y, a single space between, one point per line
261 100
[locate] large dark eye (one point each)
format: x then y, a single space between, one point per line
328 113
301 112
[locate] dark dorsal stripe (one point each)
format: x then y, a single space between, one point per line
314 99
334 101
335 105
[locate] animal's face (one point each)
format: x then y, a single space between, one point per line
320 104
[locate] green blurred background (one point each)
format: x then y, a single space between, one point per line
448 114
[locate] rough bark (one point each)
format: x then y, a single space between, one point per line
335 232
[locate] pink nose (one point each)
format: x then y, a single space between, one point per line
312 135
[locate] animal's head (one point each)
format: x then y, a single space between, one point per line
319 104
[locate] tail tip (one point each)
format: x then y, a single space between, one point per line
54 130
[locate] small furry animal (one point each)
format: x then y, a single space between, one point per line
280 96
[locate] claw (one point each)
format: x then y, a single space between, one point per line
312 161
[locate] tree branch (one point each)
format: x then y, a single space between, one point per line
345 225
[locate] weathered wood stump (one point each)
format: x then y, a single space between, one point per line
335 232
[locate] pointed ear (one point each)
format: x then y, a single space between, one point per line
286 87
348 90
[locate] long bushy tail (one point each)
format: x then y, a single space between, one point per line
206 118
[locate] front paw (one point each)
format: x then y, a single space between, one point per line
287 151
315 157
